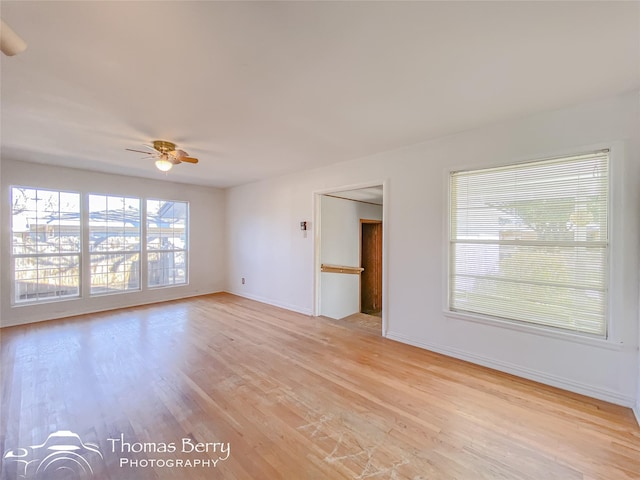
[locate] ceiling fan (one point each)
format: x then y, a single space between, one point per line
165 154
10 42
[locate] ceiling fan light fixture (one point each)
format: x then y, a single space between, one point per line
163 164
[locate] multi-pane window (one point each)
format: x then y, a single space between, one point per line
529 242
167 242
58 235
114 243
46 244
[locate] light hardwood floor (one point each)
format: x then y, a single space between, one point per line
296 397
370 323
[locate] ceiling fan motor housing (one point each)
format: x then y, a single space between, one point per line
164 146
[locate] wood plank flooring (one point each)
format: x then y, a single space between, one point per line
295 397
370 323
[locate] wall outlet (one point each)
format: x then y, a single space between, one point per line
243 280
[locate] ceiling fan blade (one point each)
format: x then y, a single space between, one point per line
138 151
188 159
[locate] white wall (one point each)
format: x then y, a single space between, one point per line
636 407
266 247
340 236
207 266
269 250
2 217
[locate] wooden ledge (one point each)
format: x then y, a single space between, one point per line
341 269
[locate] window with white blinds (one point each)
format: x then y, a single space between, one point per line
529 242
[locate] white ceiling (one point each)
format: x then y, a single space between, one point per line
258 89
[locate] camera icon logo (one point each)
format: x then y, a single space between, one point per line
63 455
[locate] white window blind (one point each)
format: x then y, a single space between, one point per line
529 242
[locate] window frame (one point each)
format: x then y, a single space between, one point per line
91 253
614 276
84 254
148 251
13 256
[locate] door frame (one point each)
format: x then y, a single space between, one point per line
317 243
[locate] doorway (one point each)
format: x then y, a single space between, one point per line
344 218
371 261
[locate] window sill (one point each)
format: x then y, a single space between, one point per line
171 285
540 330
48 301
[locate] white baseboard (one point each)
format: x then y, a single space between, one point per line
636 411
268 301
535 375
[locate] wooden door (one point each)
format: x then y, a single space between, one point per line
371 261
